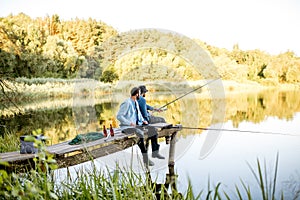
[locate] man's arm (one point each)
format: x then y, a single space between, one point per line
149 107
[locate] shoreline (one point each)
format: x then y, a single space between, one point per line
62 94
67 89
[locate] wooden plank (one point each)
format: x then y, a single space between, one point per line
66 148
70 160
15 156
67 155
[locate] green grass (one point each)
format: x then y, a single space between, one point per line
119 184
97 184
9 142
39 183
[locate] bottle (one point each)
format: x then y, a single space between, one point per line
111 131
104 131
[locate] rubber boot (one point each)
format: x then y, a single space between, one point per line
155 148
143 149
147 161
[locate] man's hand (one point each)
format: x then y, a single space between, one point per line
158 110
145 122
132 124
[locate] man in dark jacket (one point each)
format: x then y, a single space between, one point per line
144 107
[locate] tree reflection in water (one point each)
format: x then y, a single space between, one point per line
58 123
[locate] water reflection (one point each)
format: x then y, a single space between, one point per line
61 123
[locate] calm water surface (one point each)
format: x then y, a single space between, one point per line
236 152
202 157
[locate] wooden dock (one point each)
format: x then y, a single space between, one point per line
69 155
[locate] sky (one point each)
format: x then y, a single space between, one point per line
272 26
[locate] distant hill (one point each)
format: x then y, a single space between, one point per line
51 47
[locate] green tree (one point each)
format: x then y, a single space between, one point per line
256 61
61 57
109 76
53 25
293 73
283 67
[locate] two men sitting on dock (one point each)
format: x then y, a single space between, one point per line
132 121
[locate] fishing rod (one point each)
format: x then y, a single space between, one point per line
188 93
235 130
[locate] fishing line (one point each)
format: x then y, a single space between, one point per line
222 129
236 130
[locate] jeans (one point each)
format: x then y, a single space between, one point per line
154 119
139 131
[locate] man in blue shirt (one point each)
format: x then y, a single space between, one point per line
132 121
144 107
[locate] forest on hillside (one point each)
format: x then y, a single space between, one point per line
48 47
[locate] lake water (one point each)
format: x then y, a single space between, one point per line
235 152
202 156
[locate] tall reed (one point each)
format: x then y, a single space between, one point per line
9 142
267 185
40 183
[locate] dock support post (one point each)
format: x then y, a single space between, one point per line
171 177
